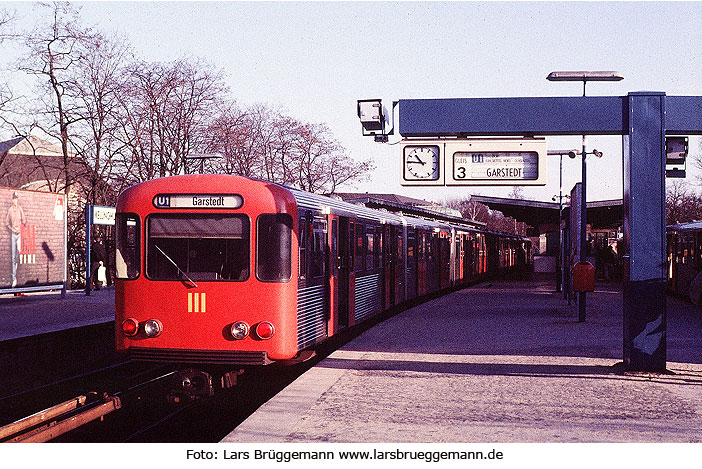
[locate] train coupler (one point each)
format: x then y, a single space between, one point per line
189 384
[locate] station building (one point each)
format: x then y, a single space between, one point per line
604 225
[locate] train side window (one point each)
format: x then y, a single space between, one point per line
378 236
370 247
302 240
319 248
274 247
359 247
334 248
352 243
411 241
128 253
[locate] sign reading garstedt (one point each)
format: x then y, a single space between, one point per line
226 201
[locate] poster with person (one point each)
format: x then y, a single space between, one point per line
32 240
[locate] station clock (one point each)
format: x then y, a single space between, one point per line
421 162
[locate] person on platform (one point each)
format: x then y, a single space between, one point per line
13 221
98 256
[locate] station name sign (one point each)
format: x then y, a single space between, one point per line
466 162
103 215
198 201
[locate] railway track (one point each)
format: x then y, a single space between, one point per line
128 404
125 402
50 410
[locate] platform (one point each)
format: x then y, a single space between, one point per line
497 362
42 312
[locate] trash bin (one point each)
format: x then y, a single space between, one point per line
583 277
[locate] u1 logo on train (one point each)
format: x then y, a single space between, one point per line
162 201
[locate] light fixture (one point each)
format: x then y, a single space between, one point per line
153 328
240 330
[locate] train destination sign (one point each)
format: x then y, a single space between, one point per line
224 201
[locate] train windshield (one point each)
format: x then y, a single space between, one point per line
198 247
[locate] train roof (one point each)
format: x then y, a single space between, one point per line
321 202
688 226
327 204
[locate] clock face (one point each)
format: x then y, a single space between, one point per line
421 162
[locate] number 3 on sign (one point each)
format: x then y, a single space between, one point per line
460 172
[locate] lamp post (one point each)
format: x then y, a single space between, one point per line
584 76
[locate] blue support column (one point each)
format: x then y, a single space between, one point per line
644 233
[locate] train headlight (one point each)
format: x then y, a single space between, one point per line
130 327
153 328
264 330
240 330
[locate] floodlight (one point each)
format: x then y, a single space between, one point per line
585 76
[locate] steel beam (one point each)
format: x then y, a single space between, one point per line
592 115
512 116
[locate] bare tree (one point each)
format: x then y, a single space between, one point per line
322 163
263 142
470 209
682 203
697 160
168 111
51 54
97 82
231 134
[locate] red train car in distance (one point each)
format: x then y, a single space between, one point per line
220 272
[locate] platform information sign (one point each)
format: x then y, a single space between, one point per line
514 162
513 166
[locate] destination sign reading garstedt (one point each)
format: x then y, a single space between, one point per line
507 165
227 201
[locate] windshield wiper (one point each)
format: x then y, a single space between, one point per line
176 265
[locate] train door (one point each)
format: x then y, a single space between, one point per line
445 253
333 241
411 286
343 261
389 290
352 273
398 263
468 260
460 258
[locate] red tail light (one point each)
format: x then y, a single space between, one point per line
130 327
264 330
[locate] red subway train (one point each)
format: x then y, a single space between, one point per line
221 272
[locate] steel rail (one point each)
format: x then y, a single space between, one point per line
57 420
54 421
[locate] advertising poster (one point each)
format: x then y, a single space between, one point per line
32 239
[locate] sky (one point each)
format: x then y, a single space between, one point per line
316 59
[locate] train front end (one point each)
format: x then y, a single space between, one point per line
206 271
